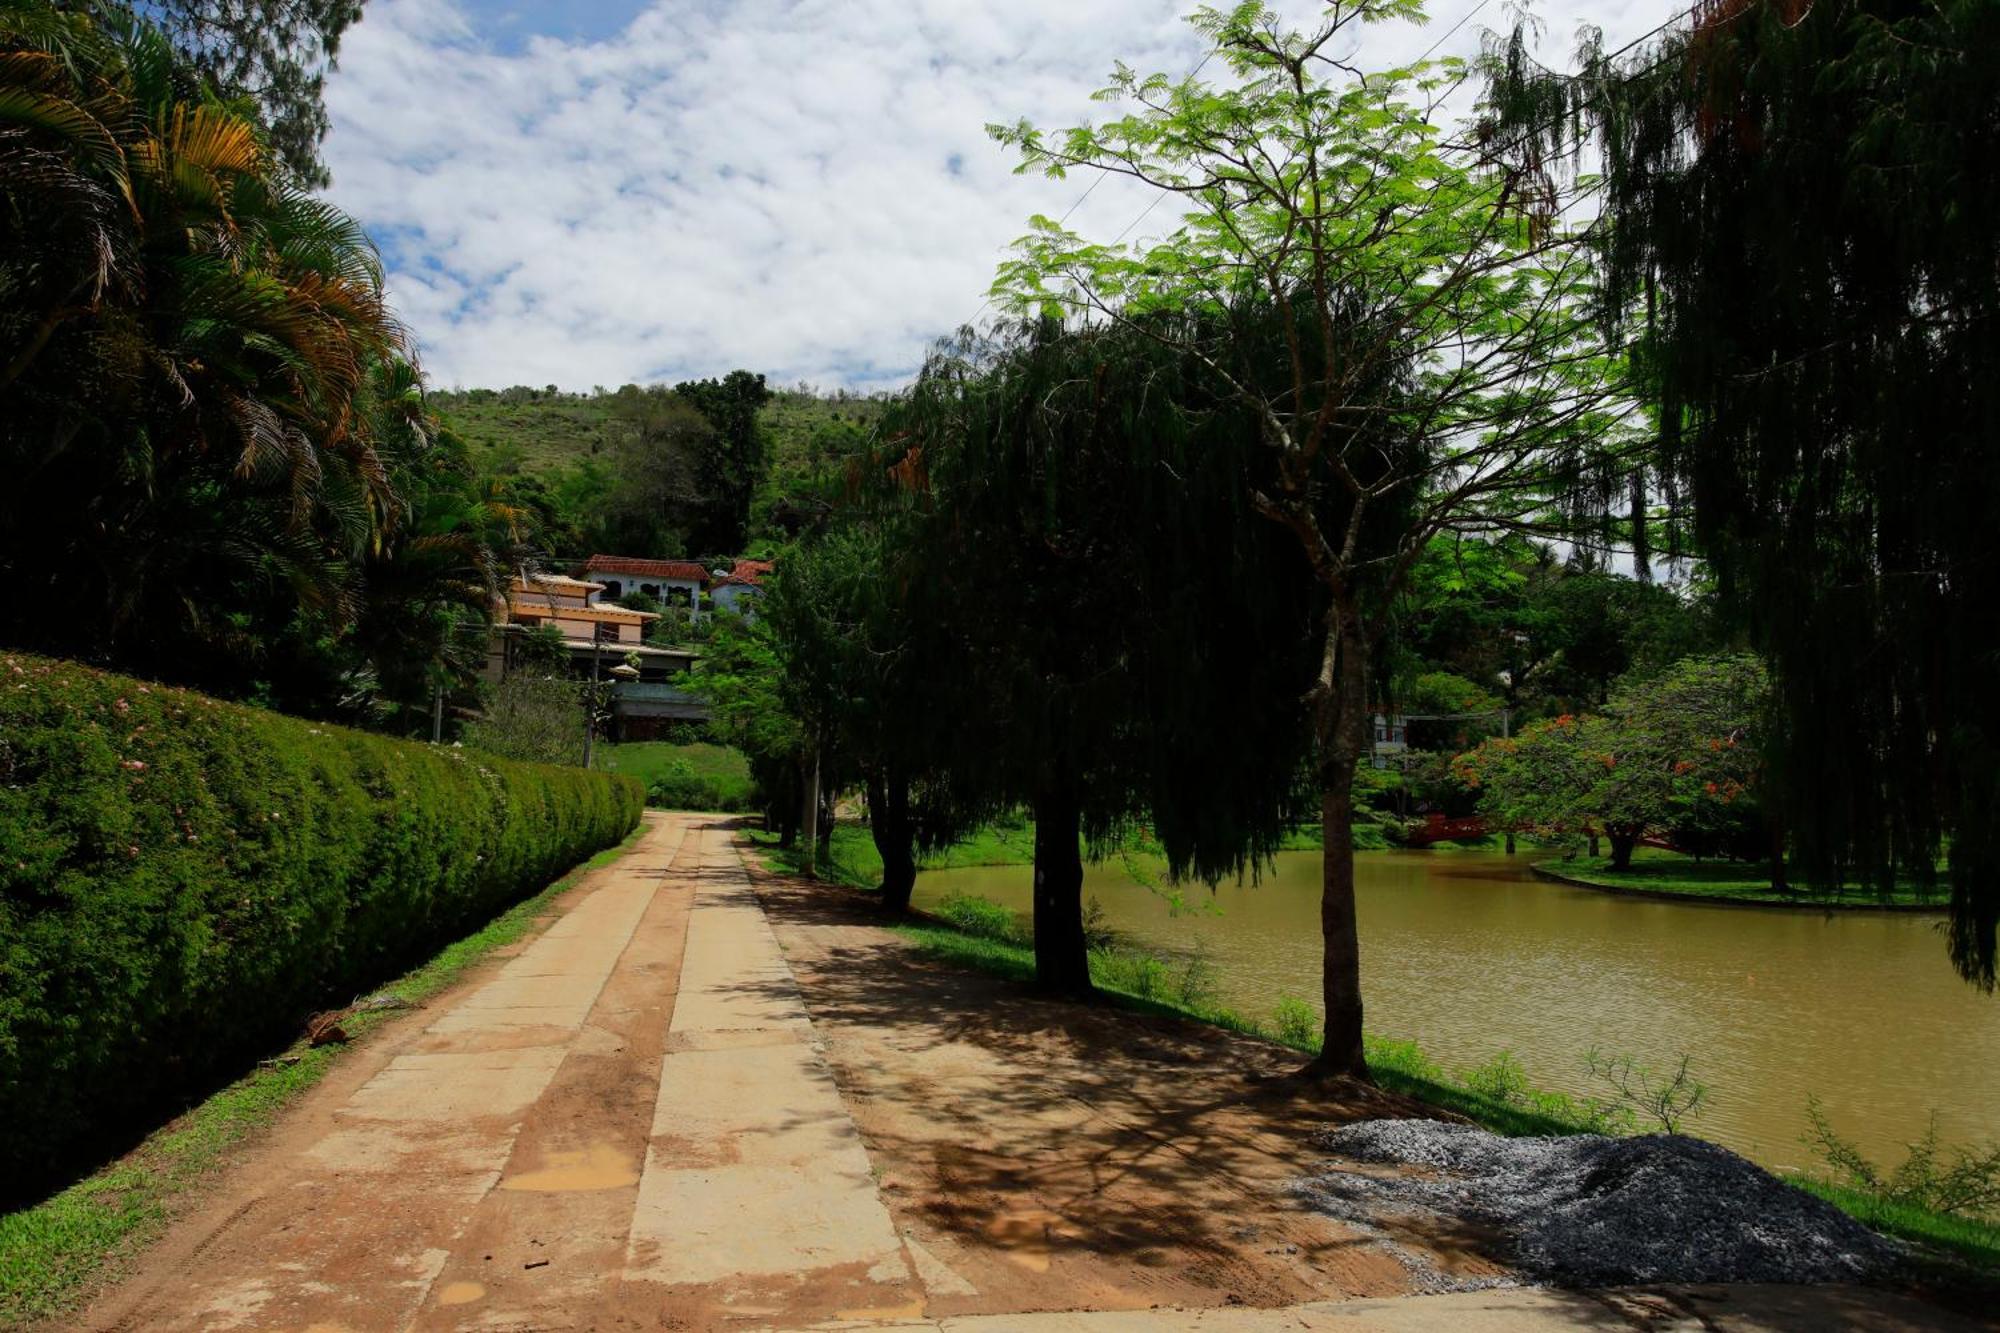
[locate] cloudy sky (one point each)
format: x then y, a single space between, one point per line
612 191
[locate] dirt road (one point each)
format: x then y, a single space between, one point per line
706 1099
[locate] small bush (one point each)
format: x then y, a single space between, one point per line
1130 971
532 718
183 880
1962 1182
1500 1079
678 786
1296 1023
1097 930
1667 1100
1195 986
984 919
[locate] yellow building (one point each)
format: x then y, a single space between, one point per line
571 606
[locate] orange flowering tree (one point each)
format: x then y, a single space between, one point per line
1676 756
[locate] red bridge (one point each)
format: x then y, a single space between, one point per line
1437 828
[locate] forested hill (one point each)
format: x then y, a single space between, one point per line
541 432
707 469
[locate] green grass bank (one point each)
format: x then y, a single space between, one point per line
696 775
1672 875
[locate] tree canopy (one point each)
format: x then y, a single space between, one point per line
221 464
276 52
1679 755
1824 392
1439 369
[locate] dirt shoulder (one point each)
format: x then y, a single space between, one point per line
1056 1157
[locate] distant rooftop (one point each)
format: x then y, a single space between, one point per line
634 565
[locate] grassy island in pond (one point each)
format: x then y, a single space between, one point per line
1672 875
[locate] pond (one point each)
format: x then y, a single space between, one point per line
1470 954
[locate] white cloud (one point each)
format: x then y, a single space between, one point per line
801 188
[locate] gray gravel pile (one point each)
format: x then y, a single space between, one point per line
1588 1209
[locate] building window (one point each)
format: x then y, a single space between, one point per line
612 589
607 632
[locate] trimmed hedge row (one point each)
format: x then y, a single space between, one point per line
182 880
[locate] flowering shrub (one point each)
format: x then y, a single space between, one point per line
183 880
1674 755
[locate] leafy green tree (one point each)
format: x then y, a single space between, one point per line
1439 370
223 466
1825 392
1129 639
733 467
1549 635
1680 755
869 667
649 498
183 338
277 52
744 679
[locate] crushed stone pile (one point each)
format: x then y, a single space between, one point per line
1587 1209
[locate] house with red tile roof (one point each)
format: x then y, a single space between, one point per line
668 582
739 589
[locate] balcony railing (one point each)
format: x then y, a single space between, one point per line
656 698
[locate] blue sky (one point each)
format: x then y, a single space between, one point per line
598 193
508 24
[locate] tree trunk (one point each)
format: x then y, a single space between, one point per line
889 825
809 809
1623 843
1339 719
1593 842
1062 960
785 814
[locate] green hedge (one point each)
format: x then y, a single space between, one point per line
183 880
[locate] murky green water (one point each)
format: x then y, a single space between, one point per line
1469 954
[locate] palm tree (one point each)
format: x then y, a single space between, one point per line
213 439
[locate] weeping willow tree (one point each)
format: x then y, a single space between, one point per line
1436 368
1801 201
1129 638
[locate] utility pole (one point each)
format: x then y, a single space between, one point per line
437 715
590 699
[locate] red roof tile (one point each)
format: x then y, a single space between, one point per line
659 569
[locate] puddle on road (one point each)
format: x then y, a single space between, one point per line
460 1293
598 1167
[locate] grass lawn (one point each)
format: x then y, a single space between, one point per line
722 771
1656 871
854 860
51 1252
1974 1241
